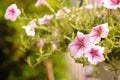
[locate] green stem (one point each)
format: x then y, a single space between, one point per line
116 76
50 8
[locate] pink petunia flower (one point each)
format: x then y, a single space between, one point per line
46 19
30 28
98 32
41 42
97 3
40 2
80 45
95 54
111 4
12 12
88 7
63 12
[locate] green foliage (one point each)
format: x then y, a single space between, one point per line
16 47
61 30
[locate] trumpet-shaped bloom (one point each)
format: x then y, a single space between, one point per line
98 32
40 2
95 54
12 12
41 42
80 45
46 19
97 3
30 28
63 12
111 4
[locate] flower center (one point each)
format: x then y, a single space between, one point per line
12 11
93 52
116 1
99 31
31 29
81 44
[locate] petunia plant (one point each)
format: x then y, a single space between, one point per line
90 32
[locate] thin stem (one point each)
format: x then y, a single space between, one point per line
116 76
50 8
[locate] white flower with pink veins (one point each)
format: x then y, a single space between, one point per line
98 32
95 54
80 45
111 4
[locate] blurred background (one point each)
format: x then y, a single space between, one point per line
13 65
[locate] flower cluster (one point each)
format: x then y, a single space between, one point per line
85 44
90 44
12 13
